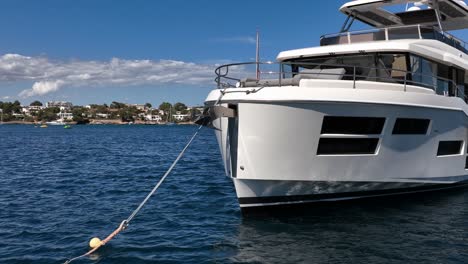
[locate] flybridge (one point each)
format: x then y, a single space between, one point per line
394 33
444 14
427 19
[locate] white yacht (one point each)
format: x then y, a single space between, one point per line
367 113
58 122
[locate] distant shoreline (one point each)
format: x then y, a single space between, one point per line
100 122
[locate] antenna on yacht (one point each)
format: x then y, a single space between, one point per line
257 56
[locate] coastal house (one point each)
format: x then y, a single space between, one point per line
181 117
150 117
102 115
29 110
60 104
65 116
25 110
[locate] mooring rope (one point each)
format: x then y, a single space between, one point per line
124 224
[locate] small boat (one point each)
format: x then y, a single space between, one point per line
43 126
67 127
58 122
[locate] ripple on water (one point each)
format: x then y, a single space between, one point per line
58 188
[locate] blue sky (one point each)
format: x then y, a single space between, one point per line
144 51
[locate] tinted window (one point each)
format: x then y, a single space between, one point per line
449 148
383 67
352 125
424 73
347 146
410 126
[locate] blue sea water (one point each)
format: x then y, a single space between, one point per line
60 187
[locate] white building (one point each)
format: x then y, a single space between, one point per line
102 115
151 117
65 116
60 104
28 110
180 117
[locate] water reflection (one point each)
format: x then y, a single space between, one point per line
410 229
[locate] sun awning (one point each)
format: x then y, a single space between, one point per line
378 13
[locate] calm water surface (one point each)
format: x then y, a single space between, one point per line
59 188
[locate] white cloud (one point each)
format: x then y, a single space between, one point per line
42 87
50 76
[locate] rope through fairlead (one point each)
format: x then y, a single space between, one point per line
124 224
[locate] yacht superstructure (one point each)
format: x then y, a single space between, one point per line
367 113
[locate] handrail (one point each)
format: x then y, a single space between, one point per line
223 70
386 30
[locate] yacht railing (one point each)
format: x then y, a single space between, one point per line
225 76
393 33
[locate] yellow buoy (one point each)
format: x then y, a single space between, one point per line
95 242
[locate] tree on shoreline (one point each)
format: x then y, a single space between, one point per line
127 114
180 107
116 110
48 114
80 115
9 108
166 107
117 105
36 103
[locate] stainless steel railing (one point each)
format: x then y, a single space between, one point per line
225 76
393 33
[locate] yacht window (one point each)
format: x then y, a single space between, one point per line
466 92
383 67
347 146
395 65
465 88
352 125
466 163
423 72
410 126
458 78
363 64
443 86
452 147
287 71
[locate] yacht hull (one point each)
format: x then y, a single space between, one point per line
271 152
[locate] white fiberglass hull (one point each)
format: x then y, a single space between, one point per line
56 123
271 149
